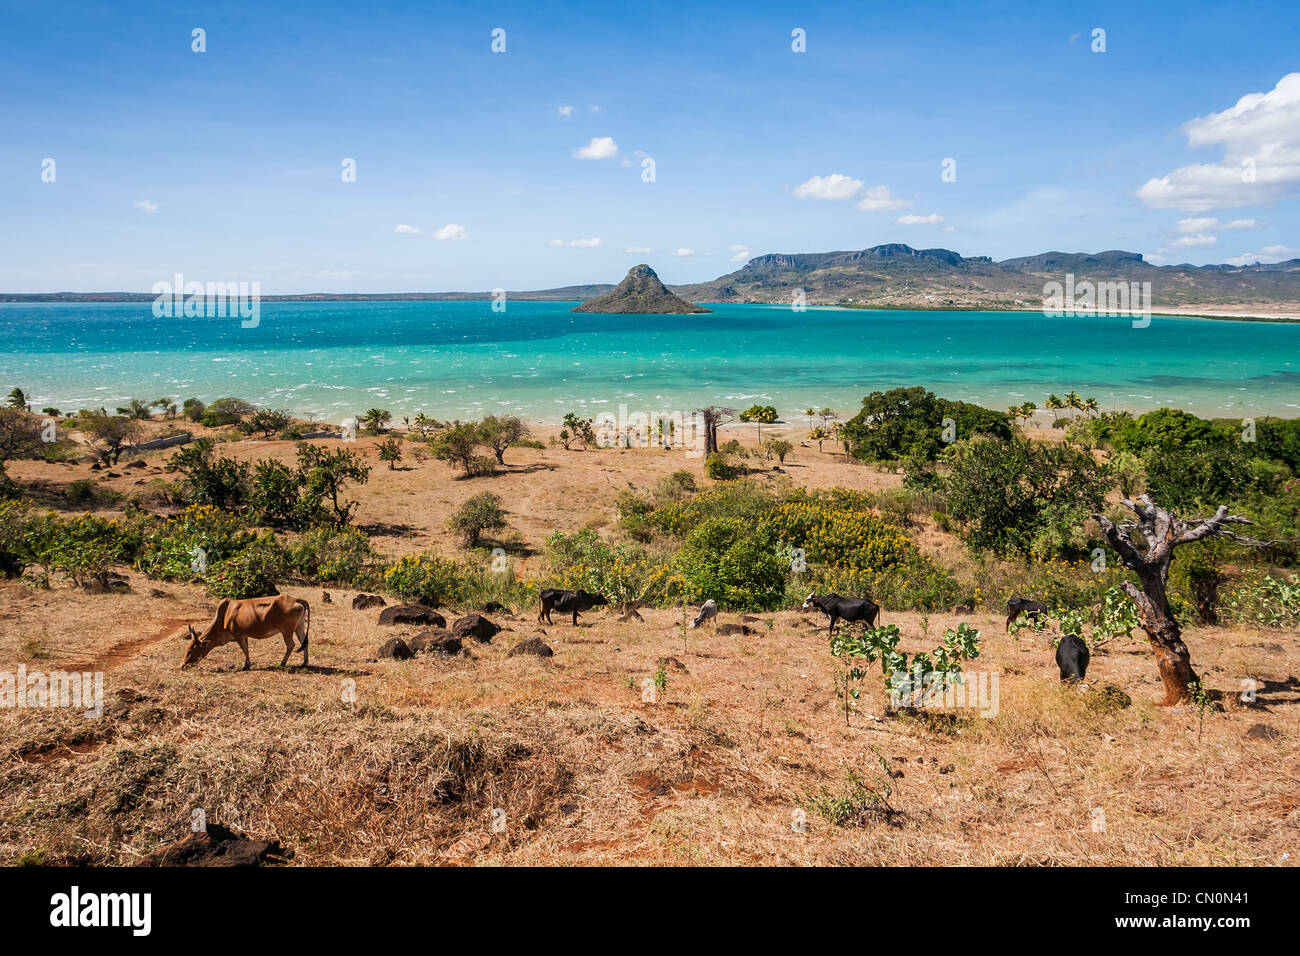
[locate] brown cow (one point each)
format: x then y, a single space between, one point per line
237 621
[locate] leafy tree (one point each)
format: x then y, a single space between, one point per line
209 478
763 414
323 478
500 432
17 399
266 421
577 429
226 411
20 437
376 420
275 495
193 409
780 447
1020 495
459 445
135 409
111 434
909 423
819 435
390 450
478 516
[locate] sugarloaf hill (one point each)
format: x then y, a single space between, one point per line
640 292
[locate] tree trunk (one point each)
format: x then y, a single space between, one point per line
1173 659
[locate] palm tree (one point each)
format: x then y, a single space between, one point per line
17 399
810 412
1073 401
1091 407
1053 403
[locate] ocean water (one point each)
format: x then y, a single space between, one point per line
330 360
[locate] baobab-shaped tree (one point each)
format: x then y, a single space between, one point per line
711 418
1146 546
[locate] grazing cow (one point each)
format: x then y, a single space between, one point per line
708 612
566 602
1072 658
1018 605
256 618
848 609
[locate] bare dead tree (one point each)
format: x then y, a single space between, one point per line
714 416
1146 546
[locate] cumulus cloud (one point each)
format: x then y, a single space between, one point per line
566 110
742 252
1192 242
639 250
575 243
915 220
1267 254
834 186
880 199
404 230
1260 139
146 205
682 252
450 231
600 147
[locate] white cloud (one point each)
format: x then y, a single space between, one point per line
1267 254
682 252
880 199
404 230
566 110
949 228
1192 242
834 186
576 243
1208 223
146 205
639 250
600 147
915 220
450 231
742 252
595 109
1260 138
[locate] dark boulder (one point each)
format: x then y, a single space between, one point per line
412 614
218 846
395 649
1263 732
435 642
364 601
475 626
534 645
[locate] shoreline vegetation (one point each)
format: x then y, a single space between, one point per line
436 697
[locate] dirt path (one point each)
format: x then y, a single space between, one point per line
123 651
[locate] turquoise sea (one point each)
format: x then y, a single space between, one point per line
330 360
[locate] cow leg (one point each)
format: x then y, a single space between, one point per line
243 646
830 631
288 647
575 618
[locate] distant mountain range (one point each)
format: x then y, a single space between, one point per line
898 276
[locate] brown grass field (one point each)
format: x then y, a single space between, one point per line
586 771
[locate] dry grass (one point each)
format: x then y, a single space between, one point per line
584 769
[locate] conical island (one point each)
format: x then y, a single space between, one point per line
640 292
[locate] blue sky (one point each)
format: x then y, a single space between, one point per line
226 164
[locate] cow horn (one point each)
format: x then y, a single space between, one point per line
190 628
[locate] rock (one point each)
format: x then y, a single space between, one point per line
112 474
395 649
325 598
364 601
534 645
963 609
218 846
475 626
136 464
411 614
640 292
494 607
1264 732
947 768
435 642
673 664
1268 648
1108 698
731 629
158 593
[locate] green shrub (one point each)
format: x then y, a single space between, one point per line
730 561
183 548
482 514
718 467
250 572
330 555
426 577
621 572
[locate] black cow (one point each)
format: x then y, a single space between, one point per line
1072 658
566 601
842 608
1017 606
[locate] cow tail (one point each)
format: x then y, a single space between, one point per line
304 626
